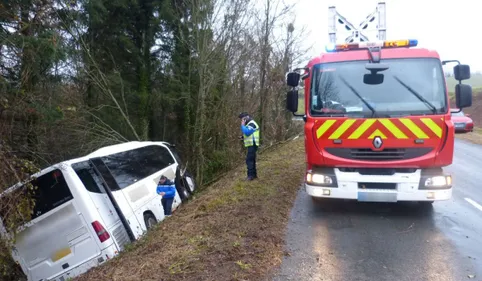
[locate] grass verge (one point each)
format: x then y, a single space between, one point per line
234 230
474 137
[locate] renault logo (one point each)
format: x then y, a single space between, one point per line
377 142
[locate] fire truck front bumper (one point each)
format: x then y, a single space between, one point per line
418 185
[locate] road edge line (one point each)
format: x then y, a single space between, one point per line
473 203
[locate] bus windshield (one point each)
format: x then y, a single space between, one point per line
409 87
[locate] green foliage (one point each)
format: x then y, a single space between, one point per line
50 114
9 270
136 69
15 207
218 162
79 75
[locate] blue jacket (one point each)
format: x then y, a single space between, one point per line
248 129
168 187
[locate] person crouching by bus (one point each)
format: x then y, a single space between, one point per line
167 190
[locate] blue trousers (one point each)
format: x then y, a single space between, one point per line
167 205
251 161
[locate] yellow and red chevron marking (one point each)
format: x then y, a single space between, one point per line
400 128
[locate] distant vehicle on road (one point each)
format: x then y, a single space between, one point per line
87 209
462 122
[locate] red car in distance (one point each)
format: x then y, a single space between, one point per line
462 122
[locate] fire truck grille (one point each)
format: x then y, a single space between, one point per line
388 154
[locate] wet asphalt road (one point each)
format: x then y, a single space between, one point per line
376 241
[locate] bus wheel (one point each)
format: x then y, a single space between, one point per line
181 186
182 190
184 194
190 184
150 220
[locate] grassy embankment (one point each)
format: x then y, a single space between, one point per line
233 230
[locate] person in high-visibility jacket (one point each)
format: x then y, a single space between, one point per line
250 130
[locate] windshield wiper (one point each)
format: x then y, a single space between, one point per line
358 95
420 97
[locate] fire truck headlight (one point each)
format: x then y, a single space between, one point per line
320 179
437 182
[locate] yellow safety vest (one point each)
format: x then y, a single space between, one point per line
254 138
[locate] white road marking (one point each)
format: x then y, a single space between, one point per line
473 203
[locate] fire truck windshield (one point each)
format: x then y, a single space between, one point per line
409 87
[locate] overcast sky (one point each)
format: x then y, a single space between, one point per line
443 26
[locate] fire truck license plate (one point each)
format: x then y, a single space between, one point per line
377 197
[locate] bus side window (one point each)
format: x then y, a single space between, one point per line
88 181
88 177
128 167
158 158
124 168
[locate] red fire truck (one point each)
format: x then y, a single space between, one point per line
377 121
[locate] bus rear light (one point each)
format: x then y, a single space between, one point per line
100 231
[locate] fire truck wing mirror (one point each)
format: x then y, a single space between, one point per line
462 72
292 101
293 79
373 79
463 96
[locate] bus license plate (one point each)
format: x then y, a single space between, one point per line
377 197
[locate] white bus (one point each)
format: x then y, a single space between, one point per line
87 209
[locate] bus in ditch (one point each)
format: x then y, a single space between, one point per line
87 209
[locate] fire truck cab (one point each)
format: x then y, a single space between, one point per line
377 121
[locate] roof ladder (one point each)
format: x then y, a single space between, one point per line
377 17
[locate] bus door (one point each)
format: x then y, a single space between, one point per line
118 199
97 192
